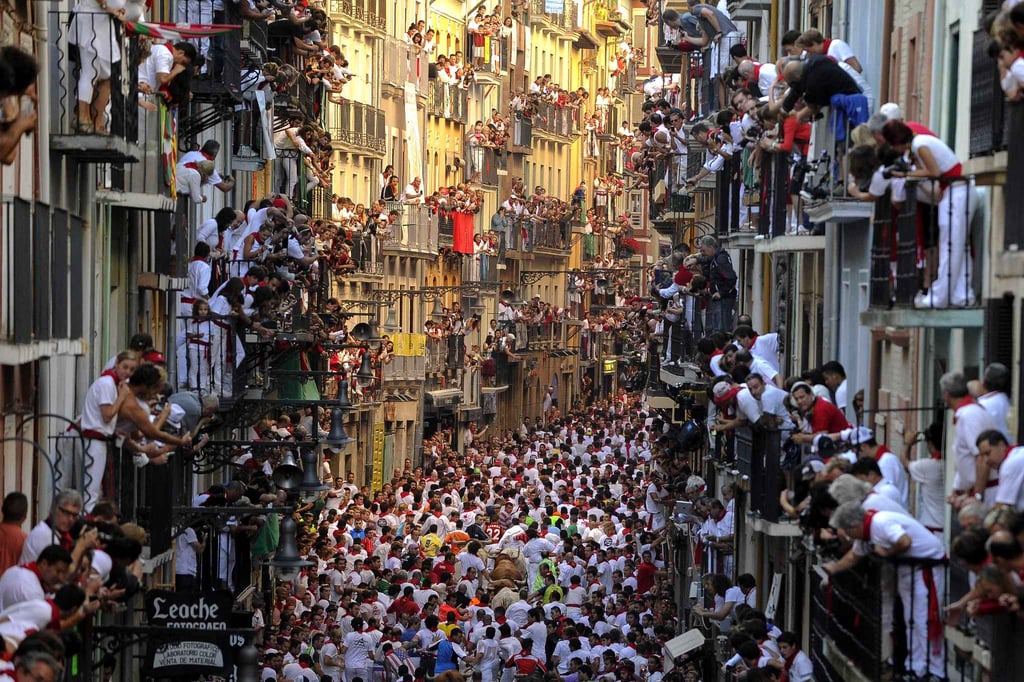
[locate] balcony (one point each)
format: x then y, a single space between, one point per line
447 101
485 165
564 21
367 258
522 135
495 56
560 123
757 459
846 623
360 14
360 129
750 10
552 237
611 21
253 44
403 63
43 265
907 257
81 141
480 267
625 81
1013 226
521 238
825 194
141 185
416 232
445 231
989 131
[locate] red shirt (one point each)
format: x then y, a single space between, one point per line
827 417
645 577
12 540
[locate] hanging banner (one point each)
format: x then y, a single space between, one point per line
554 6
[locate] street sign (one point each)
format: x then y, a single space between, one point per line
191 634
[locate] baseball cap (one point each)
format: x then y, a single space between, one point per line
724 391
891 111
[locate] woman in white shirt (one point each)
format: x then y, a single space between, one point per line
935 161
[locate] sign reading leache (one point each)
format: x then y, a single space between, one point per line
197 640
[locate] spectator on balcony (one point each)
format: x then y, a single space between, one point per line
721 279
762 346
95 31
413 193
18 70
936 162
818 416
812 42
291 142
44 575
199 274
194 345
973 479
920 581
718 31
816 80
1008 460
391 190
763 76
993 393
12 537
103 403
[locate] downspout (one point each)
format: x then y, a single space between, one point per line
887 19
773 32
42 148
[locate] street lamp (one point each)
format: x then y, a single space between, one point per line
287 475
365 375
390 325
338 437
438 310
287 562
311 485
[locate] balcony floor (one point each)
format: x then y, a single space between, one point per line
96 148
913 317
840 211
790 244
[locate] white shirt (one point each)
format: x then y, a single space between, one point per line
762 367
199 157
888 527
103 391
1011 479
997 404
160 60
766 347
207 232
39 538
802 670
358 647
841 400
185 553
969 422
19 584
839 50
199 273
931 501
894 473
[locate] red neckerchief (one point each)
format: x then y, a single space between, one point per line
881 451
54 623
828 44
757 77
937 454
197 259
113 375
866 527
717 352
967 400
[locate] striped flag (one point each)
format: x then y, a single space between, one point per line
175 32
169 147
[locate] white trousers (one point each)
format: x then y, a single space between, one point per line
93 486
923 656
197 12
952 282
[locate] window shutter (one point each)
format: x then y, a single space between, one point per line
999 330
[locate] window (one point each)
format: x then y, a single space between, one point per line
952 96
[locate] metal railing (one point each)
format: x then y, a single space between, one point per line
371 13
43 272
446 353
521 234
556 120
417 229
926 247
445 230
404 63
447 101
552 235
988 124
847 614
775 193
494 54
359 125
757 457
484 164
1013 226
565 20
85 46
625 81
522 131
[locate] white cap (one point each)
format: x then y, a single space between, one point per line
857 435
101 564
891 111
176 415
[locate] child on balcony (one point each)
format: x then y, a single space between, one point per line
1011 70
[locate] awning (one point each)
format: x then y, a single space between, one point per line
585 40
444 398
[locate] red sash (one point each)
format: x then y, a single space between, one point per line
866 527
934 616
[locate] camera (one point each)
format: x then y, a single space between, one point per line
899 166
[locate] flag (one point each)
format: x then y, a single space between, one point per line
169 144
176 32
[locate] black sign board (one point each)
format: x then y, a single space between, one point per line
192 634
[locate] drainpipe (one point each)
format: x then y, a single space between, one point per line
42 148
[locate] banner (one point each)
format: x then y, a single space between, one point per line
554 6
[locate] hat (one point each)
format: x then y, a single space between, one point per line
279 203
101 564
154 357
810 468
724 392
859 435
176 415
891 111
